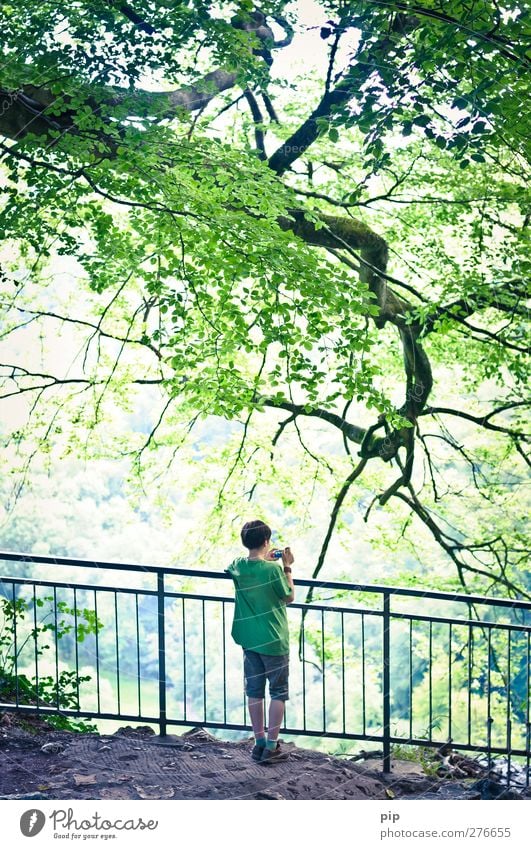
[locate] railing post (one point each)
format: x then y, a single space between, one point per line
162 655
386 683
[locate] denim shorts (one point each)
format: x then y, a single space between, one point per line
257 667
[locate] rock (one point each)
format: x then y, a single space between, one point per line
26 796
201 734
114 793
268 794
414 784
84 779
492 790
454 790
128 730
53 748
154 792
365 756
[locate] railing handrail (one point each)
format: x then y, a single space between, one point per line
307 582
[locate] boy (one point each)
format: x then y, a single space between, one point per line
263 588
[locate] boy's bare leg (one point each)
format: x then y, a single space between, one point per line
256 712
276 715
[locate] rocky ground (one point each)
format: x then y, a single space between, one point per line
37 762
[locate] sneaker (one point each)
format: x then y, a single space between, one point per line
271 756
257 751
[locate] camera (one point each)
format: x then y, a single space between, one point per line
276 553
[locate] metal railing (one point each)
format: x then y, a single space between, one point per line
364 671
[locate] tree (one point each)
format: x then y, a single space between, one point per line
243 250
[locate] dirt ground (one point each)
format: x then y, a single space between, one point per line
139 764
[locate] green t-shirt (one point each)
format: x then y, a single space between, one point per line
260 620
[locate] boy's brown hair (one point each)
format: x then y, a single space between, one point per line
255 533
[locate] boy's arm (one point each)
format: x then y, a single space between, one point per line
287 560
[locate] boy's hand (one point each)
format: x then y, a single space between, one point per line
287 557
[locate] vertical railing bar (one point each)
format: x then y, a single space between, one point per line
469 716
243 699
303 640
77 649
117 649
489 718
138 657
324 670
162 652
204 661
15 643
97 652
286 711
449 680
386 683
363 670
343 668
410 679
56 644
285 717
224 664
430 650
35 643
184 658
527 722
509 723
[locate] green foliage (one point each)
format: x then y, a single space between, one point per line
417 754
59 692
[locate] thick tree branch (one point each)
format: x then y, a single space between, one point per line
258 120
332 100
352 432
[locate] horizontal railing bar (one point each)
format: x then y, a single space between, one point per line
296 732
368 611
400 740
194 596
479 623
299 605
338 585
69 586
86 564
54 711
198 596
